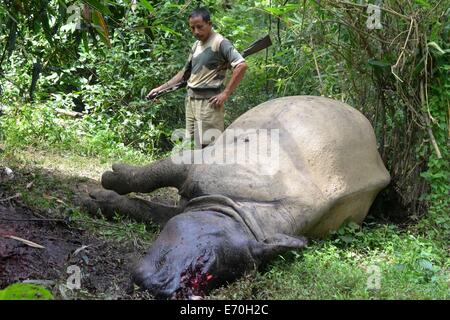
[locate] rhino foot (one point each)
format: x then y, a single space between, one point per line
118 179
100 202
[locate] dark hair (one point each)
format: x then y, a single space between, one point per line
202 12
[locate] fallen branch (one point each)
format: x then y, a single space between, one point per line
61 220
27 242
80 249
427 121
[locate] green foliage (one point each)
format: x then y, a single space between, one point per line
341 267
24 291
39 126
437 175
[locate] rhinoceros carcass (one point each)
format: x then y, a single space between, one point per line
317 166
328 168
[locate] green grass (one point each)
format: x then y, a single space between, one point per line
37 126
409 267
47 182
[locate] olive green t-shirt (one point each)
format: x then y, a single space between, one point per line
207 65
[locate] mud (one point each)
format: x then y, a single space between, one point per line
104 266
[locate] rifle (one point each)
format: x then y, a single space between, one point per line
255 47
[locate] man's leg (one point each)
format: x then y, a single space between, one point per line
190 119
212 122
194 125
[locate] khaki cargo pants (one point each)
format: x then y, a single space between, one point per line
203 122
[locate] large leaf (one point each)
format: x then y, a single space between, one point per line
167 29
44 17
101 27
85 41
147 5
99 6
423 3
379 63
437 47
279 11
425 264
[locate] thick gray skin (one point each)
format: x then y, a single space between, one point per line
224 248
236 216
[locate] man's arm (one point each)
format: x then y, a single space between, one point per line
236 77
177 78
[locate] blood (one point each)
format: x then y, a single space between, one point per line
193 282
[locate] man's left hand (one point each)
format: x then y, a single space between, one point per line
218 100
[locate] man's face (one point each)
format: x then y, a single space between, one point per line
200 28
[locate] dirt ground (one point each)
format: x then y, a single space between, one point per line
105 266
105 263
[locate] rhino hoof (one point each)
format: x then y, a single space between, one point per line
98 202
116 180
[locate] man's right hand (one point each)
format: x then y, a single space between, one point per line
151 95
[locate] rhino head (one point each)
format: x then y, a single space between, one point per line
198 251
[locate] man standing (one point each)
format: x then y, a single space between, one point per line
204 71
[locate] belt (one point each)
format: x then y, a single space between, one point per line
202 93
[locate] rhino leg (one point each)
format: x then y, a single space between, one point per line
108 203
162 173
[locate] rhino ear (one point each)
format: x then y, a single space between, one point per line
275 245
